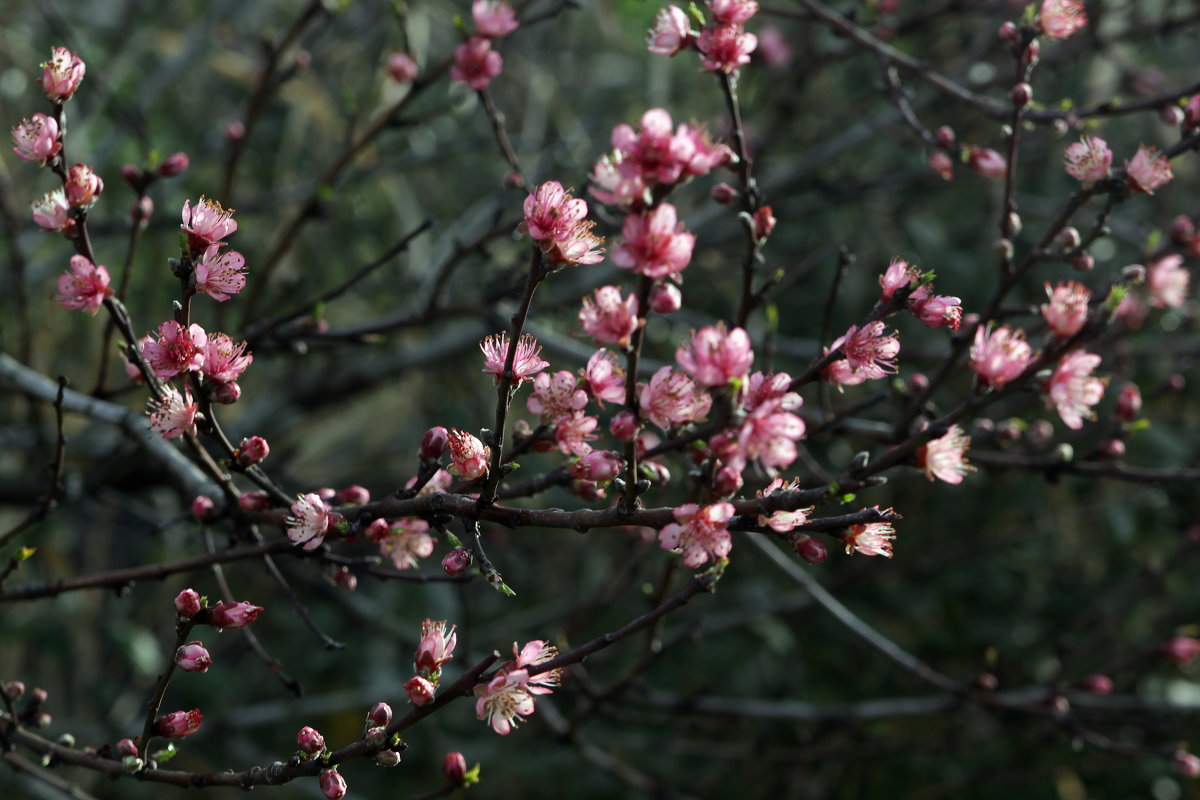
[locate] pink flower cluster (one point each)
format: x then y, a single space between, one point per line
870 355
1067 309
475 62
699 533
607 318
934 311
655 244
557 222
769 430
509 695
724 45
403 541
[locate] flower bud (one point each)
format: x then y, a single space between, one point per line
375 737
386 758
14 689
1009 33
378 530
326 494
344 578
42 720
1187 764
178 724
38 697
944 137
941 163
456 561
1191 112
233 615
380 715
811 550
353 496
1083 263
1112 448
132 763
600 466
131 175
254 501
434 443
420 691
1069 238
187 603
987 162
226 392
1175 382
332 784
764 223
310 741
203 508
724 194
665 298
192 657
235 131
1097 684
1014 223
126 747
1181 649
141 211
1003 248
1021 95
252 451
1032 52
1129 403
173 165
727 481
402 67
454 767
1008 432
624 426
987 681
587 490
1182 228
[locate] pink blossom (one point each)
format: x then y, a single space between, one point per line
714 357
1089 160
732 12
493 19
407 540
671 33
724 48
765 388
652 150
225 616
85 287
206 224
1147 170
783 521
402 67
476 63
309 521
333 785
187 603
551 212
1067 310
62 74
1181 649
773 47
178 724
456 561
526 361
941 163
655 244
52 213
607 318
671 398
224 360
768 435
177 350
440 482
936 311
220 275
533 654
251 451
420 691
604 378
623 426
174 414
454 767
1186 764
987 162
1167 282
172 165
436 647
203 507
380 714
870 351
898 275
618 182
841 374
434 443
573 432
944 458
82 186
1062 18
1073 390
808 548
763 222
1001 355
310 741
504 700
600 466
468 456
192 657
665 298
870 539
556 395
699 533
36 138
581 246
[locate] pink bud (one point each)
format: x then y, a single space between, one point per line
38 696
1181 649
1175 382
455 767
1191 112
192 657
233 615
1182 228
14 689
665 298
764 223
918 383
600 466
252 451
987 162
178 724
1187 764
254 501
235 131
131 175
173 165
386 758
141 210
1033 52
1112 448
326 494
380 715
310 741
377 530
810 549
624 426
187 603
942 164
727 481
1009 33
456 561
724 194
1083 263
226 393
434 443
126 747
203 508
944 137
375 737
1129 403
332 784
1171 115
402 67
1097 684
353 496
344 579
1021 95
420 691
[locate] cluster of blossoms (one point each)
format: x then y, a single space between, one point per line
435 649
475 62
1090 160
869 355
699 533
404 540
724 45
934 311
558 223
509 695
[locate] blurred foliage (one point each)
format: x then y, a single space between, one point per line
1033 578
